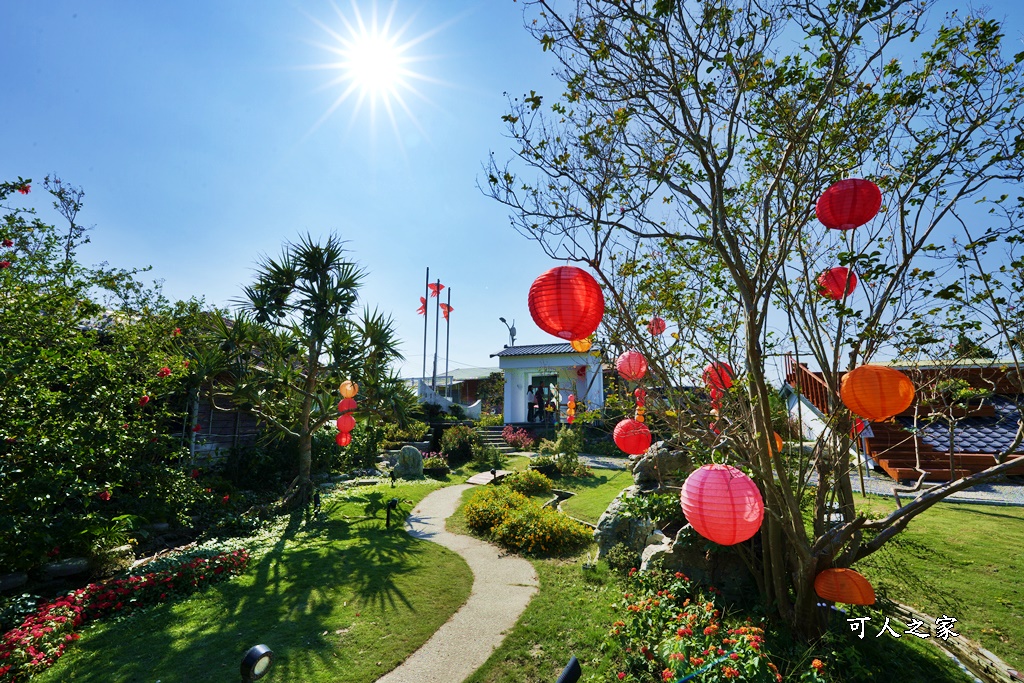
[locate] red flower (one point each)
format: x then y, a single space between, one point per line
25 189
622 675
729 672
176 332
197 428
143 400
124 426
225 499
734 656
5 264
55 552
195 474
666 675
185 364
105 495
163 372
8 243
817 665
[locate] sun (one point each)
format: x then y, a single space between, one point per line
375 62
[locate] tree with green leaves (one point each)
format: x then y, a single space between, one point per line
296 337
682 165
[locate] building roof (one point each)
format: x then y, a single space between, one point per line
973 434
537 350
460 374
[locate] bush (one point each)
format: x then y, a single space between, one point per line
488 420
622 558
518 438
489 505
434 460
487 456
527 482
458 444
395 436
568 441
517 523
604 447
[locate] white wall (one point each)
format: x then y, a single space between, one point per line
519 372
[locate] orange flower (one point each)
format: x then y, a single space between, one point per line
817 665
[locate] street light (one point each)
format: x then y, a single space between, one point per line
511 331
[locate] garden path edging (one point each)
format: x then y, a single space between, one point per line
503 586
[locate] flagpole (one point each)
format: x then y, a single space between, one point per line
437 329
447 339
426 293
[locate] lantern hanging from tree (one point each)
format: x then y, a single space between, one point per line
567 302
779 443
718 376
722 504
343 438
346 405
835 283
844 585
849 204
641 396
581 345
345 423
656 326
348 388
876 392
631 365
632 437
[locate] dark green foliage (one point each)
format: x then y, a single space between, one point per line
458 443
622 558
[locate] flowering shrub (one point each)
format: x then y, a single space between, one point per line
517 437
669 630
516 522
458 444
434 460
42 637
527 482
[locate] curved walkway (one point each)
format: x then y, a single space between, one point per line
502 587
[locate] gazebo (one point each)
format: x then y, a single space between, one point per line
544 365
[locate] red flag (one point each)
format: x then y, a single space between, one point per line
422 310
435 288
445 310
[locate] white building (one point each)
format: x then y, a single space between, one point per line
543 365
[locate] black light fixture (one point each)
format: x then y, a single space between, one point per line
571 673
392 505
256 662
511 331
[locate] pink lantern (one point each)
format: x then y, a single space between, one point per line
722 504
632 437
835 283
718 376
631 365
346 423
656 326
849 204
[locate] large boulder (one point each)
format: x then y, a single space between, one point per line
410 463
706 564
659 467
614 527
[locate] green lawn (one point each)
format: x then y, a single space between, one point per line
964 561
339 599
593 494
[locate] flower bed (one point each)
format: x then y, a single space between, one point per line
518 437
527 482
42 637
516 522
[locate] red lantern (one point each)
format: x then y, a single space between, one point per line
656 326
722 504
718 376
632 437
641 396
849 204
346 405
346 423
835 283
567 302
844 585
876 392
858 425
343 439
631 365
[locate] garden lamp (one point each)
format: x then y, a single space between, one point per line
392 505
571 673
256 662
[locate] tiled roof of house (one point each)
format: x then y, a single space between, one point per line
536 350
974 434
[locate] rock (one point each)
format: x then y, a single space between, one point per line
68 567
614 527
410 463
659 467
720 567
12 581
158 527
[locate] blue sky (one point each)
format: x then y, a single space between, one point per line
193 128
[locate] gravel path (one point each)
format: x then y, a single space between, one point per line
502 587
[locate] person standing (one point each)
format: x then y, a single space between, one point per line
531 402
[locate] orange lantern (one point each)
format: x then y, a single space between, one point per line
835 283
580 345
778 442
567 302
722 504
348 388
631 365
656 326
844 585
343 438
849 204
632 436
876 392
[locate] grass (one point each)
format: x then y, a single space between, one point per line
961 560
339 599
593 494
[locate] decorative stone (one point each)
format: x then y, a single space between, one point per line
68 567
719 566
410 463
12 581
614 528
659 467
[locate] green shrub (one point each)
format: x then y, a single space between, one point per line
488 456
622 558
394 435
489 505
535 530
458 444
488 420
456 411
527 482
568 441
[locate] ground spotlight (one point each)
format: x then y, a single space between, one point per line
256 662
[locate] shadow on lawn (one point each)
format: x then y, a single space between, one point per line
311 587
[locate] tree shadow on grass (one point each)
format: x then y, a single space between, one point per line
323 596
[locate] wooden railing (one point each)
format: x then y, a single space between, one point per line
809 384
